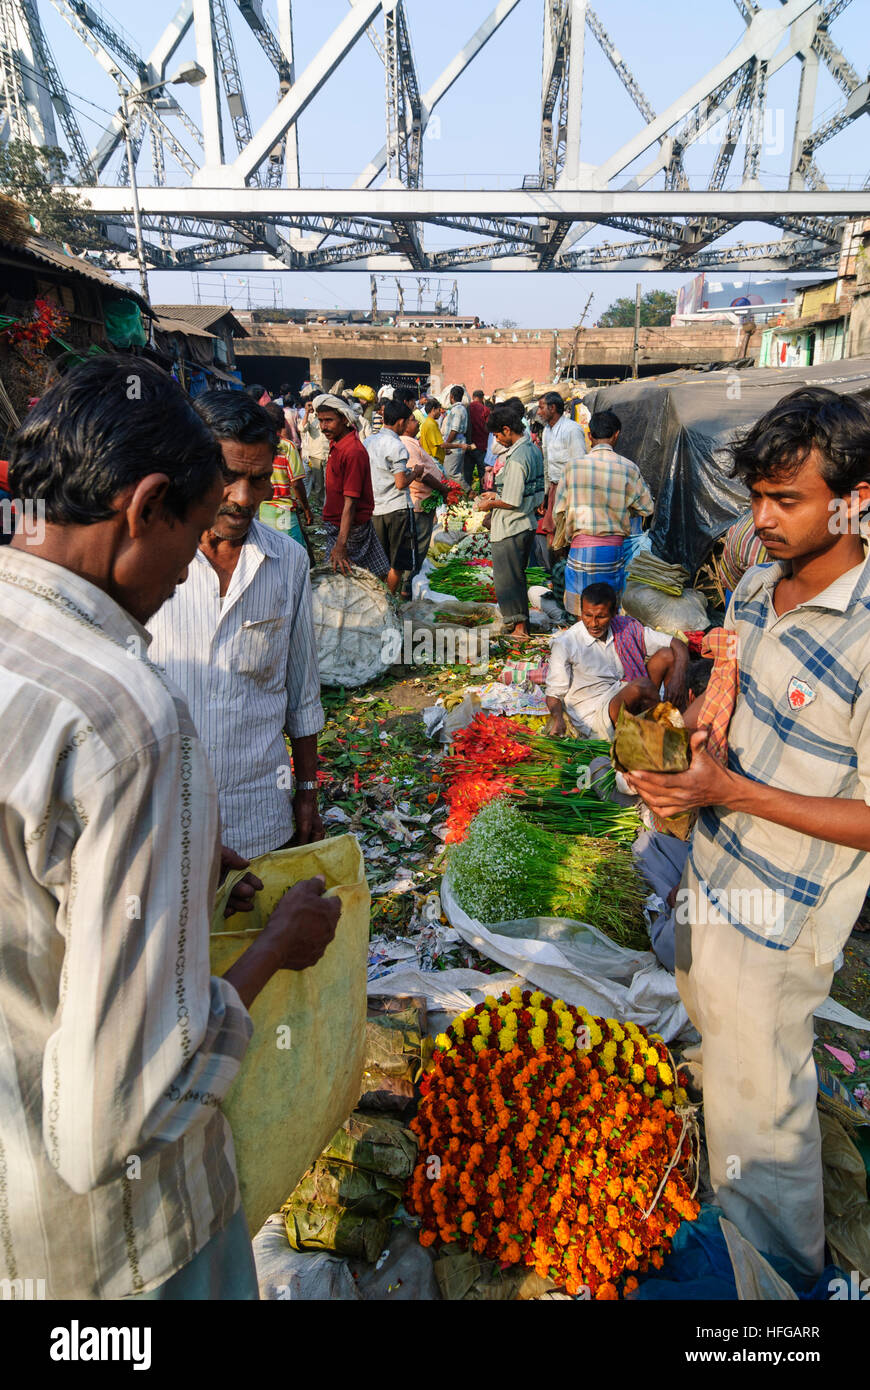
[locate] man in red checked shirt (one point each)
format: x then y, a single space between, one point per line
349 500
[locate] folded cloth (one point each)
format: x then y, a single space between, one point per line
720 697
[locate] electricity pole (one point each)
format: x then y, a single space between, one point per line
636 345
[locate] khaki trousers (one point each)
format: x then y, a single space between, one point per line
754 1007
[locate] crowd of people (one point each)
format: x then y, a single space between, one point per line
157 655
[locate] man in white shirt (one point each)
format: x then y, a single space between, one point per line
238 639
604 662
315 445
455 431
118 1044
392 475
563 439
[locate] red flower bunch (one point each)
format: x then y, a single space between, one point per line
534 1149
473 770
31 336
466 794
454 495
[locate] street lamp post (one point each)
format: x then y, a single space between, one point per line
134 194
190 74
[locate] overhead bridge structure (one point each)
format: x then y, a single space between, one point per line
236 197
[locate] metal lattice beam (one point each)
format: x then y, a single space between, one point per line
536 227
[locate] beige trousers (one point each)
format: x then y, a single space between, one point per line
754 1010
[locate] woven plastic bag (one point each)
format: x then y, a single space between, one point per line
356 626
287 1101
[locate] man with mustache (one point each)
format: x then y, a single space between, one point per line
238 638
779 865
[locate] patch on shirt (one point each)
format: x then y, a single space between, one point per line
799 693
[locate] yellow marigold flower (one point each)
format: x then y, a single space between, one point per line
666 1076
505 1039
652 1057
583 1014
490 1002
478 1043
617 1031
595 1034
443 1042
516 994
680 1096
609 1050
565 1038
636 1073
458 1028
536 1038
668 1098
628 1050
510 1020
484 1025
536 1000
608 1065
542 1018
648 1090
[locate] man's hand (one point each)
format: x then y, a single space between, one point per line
307 517
241 899
485 501
556 726
339 559
309 826
706 783
675 689
302 925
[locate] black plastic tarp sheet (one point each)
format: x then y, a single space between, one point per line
676 428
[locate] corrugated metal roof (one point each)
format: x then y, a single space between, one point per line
45 252
165 323
205 315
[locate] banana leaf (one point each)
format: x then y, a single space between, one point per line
646 744
333 1184
378 1143
313 1227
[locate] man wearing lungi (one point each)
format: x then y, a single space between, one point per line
604 662
600 496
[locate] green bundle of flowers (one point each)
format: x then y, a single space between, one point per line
507 868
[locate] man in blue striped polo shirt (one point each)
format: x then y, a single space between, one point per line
779 868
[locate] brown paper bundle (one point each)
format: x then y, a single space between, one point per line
654 742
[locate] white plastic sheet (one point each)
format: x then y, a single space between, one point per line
575 962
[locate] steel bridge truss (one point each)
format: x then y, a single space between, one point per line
243 207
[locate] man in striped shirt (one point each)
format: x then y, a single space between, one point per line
238 640
518 490
779 865
118 1166
604 499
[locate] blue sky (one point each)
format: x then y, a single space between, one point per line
488 125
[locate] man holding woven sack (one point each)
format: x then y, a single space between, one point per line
779 868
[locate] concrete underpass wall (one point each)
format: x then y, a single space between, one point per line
272 371
374 371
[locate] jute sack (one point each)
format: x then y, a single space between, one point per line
295 1088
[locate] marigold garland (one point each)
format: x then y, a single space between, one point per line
544 1136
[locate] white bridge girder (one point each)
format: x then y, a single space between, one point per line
244 190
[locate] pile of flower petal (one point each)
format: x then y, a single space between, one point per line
544 1136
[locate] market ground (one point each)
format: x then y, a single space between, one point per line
376 756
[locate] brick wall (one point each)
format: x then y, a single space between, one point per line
503 363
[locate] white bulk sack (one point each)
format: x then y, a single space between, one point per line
356 626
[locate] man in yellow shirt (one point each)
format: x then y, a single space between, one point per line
431 437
